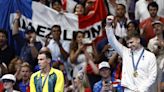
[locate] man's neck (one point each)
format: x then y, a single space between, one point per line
137 49
107 79
45 71
9 90
25 81
121 18
160 36
154 18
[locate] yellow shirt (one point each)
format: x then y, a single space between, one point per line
54 82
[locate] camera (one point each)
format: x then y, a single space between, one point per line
87 41
107 82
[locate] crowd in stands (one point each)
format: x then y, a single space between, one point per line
82 65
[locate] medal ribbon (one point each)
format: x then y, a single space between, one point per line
135 67
43 81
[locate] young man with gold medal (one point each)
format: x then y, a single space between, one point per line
139 68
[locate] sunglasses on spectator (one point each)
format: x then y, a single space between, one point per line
6 80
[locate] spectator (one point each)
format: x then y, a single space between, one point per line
141 12
59 48
112 4
14 67
146 25
30 49
120 21
137 62
89 7
79 9
91 69
82 56
156 45
47 79
81 83
105 84
57 5
133 26
116 67
6 52
77 57
25 72
9 81
26 42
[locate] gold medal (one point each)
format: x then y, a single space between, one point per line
135 74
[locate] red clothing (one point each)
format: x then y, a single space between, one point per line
116 75
100 37
1 87
28 89
88 90
89 69
146 25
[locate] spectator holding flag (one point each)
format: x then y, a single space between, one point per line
57 5
25 42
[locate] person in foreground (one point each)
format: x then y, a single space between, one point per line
139 69
105 84
47 79
9 81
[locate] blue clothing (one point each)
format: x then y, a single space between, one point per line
26 54
23 87
19 41
162 77
24 50
98 86
101 44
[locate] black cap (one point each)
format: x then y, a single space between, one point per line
29 29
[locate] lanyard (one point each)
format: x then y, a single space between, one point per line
135 67
44 81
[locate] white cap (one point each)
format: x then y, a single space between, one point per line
157 22
104 64
8 77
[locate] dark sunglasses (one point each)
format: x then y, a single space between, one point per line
7 80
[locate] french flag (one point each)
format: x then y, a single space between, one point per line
43 17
